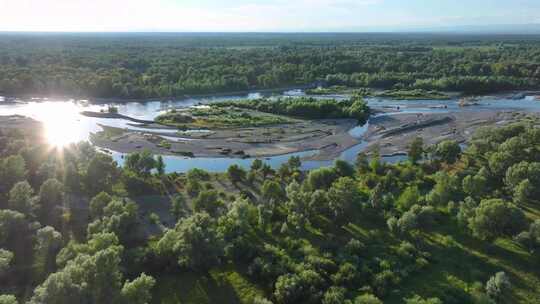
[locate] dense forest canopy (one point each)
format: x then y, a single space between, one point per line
446 226
174 65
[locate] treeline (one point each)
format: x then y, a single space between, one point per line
306 107
446 226
167 66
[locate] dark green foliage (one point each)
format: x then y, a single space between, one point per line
448 151
208 201
494 218
20 197
236 173
306 107
193 243
416 150
164 65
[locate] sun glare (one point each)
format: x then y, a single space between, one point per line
61 126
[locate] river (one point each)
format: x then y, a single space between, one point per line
64 124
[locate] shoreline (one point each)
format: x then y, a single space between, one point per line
11 99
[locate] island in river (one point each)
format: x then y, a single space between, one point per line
235 130
247 128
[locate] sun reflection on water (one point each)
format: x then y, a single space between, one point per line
60 120
61 125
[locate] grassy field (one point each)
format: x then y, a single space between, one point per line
216 118
221 285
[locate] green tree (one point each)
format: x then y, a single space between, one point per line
236 173
271 191
416 150
409 197
495 218
8 299
343 195
194 243
98 203
139 290
498 286
178 204
160 165
419 300
51 197
20 197
208 201
367 299
6 257
101 174
140 163
12 170
448 151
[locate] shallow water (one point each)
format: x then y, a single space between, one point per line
64 124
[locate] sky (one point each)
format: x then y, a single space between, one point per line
260 15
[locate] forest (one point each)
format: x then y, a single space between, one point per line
146 66
451 224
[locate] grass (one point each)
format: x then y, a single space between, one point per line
220 117
460 262
219 285
415 94
109 132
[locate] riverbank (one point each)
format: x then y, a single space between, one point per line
330 135
392 134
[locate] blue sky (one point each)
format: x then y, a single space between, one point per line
260 15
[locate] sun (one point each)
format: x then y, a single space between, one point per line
60 124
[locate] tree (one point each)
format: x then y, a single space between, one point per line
140 163
12 170
101 174
343 195
495 218
13 229
119 217
6 257
48 243
236 174
208 201
160 165
98 203
72 178
408 198
343 168
362 163
271 191
238 229
256 165
20 197
416 150
138 291
8 299
178 203
367 299
498 286
474 185
51 196
87 278
194 243
448 151
334 295
321 178
419 300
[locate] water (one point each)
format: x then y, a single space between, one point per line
64 124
